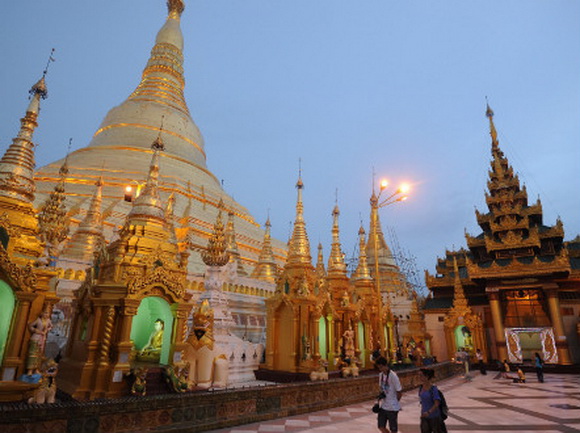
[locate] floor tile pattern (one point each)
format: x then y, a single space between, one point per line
481 405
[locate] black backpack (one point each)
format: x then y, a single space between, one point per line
443 408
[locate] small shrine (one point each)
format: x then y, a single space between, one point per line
131 312
26 292
507 294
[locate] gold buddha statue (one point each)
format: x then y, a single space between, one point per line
151 352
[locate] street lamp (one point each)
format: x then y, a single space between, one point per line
377 202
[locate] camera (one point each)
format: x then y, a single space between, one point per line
381 396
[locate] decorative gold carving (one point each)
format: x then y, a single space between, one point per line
202 332
172 281
216 253
561 263
23 276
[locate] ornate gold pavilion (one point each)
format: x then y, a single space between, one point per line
509 293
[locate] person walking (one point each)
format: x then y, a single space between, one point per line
430 399
479 357
391 393
539 368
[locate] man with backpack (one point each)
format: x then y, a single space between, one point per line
433 405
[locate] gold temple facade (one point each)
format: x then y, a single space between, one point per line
122 268
515 290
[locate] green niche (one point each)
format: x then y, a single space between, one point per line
361 336
6 309
322 338
151 309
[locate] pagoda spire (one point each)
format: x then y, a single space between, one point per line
362 271
17 164
336 264
299 246
320 271
53 222
148 203
162 80
233 245
459 299
379 256
88 237
266 269
216 253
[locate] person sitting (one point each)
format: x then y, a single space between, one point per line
521 377
152 350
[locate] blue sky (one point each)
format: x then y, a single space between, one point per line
345 85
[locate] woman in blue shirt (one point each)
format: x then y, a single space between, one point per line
430 399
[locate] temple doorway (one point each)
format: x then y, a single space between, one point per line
151 330
523 343
6 309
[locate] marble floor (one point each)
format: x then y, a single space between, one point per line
481 405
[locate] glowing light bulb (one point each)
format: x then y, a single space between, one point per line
128 188
405 187
384 184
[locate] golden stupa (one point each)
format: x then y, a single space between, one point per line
119 154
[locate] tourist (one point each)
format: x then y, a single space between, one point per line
430 399
391 392
539 368
479 357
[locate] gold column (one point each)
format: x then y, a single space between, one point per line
295 354
315 338
497 324
16 346
330 341
270 334
558 324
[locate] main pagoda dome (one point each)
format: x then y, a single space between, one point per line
120 151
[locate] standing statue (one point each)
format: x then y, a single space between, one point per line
348 339
39 330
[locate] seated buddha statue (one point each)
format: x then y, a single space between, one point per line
151 352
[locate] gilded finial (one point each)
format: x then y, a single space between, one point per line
459 295
299 183
266 269
175 8
216 253
492 131
39 88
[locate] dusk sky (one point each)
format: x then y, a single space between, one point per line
344 85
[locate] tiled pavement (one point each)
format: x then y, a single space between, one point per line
479 406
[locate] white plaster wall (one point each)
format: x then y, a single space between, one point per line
436 329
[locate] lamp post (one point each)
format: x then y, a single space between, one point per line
377 202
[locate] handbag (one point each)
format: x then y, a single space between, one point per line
376 408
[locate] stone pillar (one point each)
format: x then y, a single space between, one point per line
497 324
558 324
